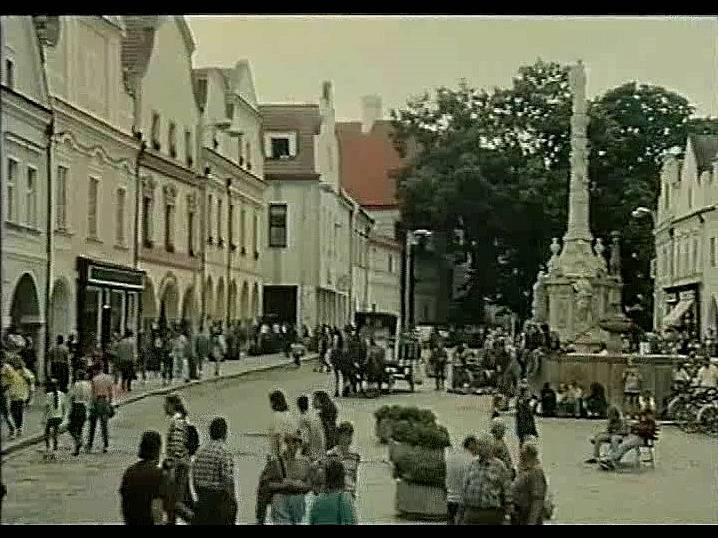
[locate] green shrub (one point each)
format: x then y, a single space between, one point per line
421 435
410 414
421 466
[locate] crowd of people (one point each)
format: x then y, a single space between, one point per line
310 474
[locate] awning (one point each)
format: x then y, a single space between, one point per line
674 317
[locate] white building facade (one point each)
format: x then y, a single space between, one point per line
26 121
234 199
96 287
686 234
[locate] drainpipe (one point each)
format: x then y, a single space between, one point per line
138 197
50 133
367 268
230 239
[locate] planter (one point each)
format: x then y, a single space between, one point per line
414 501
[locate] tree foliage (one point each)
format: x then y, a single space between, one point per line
499 162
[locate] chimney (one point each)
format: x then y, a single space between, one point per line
371 111
327 92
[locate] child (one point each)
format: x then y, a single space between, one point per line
631 388
55 408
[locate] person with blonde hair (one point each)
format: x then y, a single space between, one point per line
528 491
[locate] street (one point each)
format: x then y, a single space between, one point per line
84 489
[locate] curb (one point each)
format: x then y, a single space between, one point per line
39 438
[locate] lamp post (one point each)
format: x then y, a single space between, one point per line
412 240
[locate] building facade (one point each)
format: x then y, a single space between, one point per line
308 268
166 117
24 157
234 199
96 286
686 265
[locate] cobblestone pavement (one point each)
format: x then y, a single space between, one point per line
33 419
682 488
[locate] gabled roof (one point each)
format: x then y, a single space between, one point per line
137 44
186 33
368 163
705 149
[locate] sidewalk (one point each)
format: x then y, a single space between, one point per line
33 428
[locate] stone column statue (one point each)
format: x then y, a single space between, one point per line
615 265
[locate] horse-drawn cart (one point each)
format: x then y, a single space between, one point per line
404 367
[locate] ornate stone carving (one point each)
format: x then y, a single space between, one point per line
555 250
192 202
170 192
600 248
615 265
148 187
48 29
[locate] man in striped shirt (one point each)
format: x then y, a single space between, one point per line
213 477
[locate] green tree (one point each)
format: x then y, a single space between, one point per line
500 162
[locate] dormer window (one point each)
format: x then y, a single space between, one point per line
280 146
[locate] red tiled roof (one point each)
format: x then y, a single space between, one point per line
369 163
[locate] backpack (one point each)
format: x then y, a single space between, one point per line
192 439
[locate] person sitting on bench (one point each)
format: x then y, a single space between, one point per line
640 433
616 427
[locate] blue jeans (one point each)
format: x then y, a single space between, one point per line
288 509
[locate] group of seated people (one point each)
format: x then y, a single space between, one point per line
571 401
622 436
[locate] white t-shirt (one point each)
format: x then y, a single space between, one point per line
708 376
281 424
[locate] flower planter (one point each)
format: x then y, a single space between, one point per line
419 502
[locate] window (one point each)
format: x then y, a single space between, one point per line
695 255
92 207
31 198
278 225
120 217
243 230
690 197
188 148
219 222
61 199
280 148
147 221
713 251
391 263
190 232
172 139
10 74
12 168
255 234
248 154
240 150
155 130
209 218
169 227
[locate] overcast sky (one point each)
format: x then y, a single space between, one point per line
397 57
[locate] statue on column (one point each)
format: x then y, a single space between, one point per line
584 295
538 304
555 251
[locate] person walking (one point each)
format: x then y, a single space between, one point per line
350 460
127 358
60 365
213 479
333 506
525 423
179 355
168 357
79 398
312 431
282 423
143 357
55 411
101 408
218 350
486 495
29 355
144 490
528 492
328 416
201 346
438 362
288 480
18 392
7 374
458 462
177 459
501 451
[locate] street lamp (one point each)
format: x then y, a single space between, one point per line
642 211
412 240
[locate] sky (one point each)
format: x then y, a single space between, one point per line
397 57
